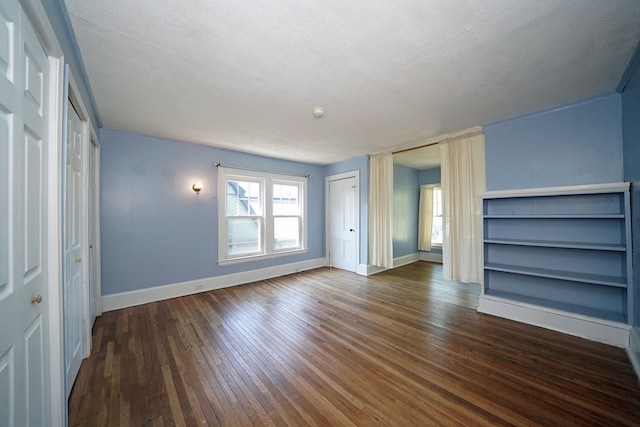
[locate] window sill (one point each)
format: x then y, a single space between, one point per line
240 260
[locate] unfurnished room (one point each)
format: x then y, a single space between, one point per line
319 213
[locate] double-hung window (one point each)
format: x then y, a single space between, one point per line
261 215
436 226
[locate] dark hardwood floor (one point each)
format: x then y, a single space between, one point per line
331 348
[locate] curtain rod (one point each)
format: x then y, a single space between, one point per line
415 148
218 164
451 138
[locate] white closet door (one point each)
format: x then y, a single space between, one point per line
24 69
73 284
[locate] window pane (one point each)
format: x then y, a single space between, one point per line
436 230
243 198
286 233
286 200
437 201
244 236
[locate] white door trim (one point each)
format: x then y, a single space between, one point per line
38 17
96 265
327 239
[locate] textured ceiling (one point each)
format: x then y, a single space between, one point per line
419 158
246 75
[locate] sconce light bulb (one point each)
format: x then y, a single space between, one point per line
197 186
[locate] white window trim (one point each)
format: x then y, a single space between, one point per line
267 251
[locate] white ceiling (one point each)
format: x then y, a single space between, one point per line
246 75
419 158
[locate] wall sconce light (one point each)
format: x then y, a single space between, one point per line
197 186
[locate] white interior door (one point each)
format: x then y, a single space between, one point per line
24 345
74 288
343 223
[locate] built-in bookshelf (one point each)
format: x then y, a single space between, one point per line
562 250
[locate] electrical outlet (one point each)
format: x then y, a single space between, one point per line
198 286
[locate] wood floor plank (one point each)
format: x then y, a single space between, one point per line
174 401
331 348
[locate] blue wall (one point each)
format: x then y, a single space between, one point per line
430 176
156 231
406 195
631 145
361 164
579 143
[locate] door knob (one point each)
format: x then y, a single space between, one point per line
37 299
78 260
351 229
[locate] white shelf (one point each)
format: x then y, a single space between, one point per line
558 244
595 279
554 216
569 190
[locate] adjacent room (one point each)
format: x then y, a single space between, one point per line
328 213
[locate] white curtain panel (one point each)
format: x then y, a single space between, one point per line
463 179
425 218
381 210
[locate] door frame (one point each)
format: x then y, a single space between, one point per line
95 267
327 240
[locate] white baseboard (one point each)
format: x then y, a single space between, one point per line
405 260
373 269
158 293
634 350
604 331
431 257
362 269
368 269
